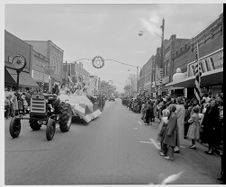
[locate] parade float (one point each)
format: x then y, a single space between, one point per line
83 105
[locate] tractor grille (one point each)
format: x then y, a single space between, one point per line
38 104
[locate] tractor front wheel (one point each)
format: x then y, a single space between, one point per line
50 129
65 118
15 127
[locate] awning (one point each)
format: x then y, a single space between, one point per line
9 81
25 78
175 88
208 78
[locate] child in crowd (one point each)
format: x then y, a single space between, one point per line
194 127
163 126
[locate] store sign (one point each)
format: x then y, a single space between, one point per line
208 63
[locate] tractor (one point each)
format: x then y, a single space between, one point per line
45 109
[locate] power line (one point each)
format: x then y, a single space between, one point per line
122 63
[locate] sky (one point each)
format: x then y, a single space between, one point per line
110 30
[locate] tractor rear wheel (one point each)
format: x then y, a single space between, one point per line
34 124
15 127
65 117
50 129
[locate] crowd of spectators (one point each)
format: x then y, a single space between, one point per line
180 118
198 122
15 101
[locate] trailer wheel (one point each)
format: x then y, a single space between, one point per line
50 129
65 118
15 127
34 124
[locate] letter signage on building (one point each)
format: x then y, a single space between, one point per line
208 63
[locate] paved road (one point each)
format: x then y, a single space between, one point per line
116 148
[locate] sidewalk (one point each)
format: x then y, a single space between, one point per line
186 142
208 164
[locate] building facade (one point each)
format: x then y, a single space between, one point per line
76 72
210 45
82 73
155 74
54 54
16 46
38 73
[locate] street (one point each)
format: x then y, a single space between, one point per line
116 148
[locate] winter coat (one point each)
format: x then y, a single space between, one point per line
171 131
150 111
211 125
194 128
180 114
162 131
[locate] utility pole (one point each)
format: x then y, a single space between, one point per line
137 78
162 54
66 73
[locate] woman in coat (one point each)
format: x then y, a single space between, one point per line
193 131
171 134
180 111
210 126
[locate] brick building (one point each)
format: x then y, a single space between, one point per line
211 59
145 80
38 73
53 53
150 77
15 46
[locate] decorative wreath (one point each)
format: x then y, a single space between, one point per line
98 62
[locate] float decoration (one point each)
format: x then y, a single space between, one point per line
98 62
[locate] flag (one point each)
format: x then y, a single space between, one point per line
198 74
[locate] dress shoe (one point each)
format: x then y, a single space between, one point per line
209 152
192 147
168 158
162 154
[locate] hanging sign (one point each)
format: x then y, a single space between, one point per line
19 62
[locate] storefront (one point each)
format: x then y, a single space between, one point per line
25 79
212 75
13 47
